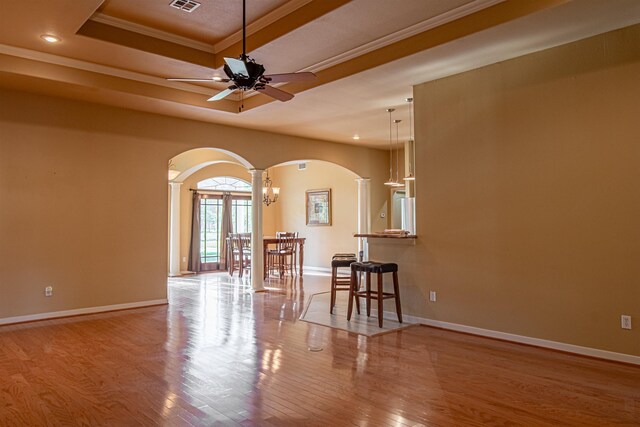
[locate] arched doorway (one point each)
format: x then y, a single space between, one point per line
188 175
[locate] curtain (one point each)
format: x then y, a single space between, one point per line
194 248
226 228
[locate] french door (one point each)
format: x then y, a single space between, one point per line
211 238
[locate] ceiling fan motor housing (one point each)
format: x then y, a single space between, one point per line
246 82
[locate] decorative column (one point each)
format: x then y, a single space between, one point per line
257 255
364 214
174 230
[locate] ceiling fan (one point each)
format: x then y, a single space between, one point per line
245 74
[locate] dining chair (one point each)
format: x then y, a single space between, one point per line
240 252
294 258
281 258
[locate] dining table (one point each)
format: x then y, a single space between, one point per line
266 241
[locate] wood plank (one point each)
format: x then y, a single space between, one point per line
221 355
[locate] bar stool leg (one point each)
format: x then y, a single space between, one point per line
357 288
334 274
380 300
352 288
396 290
367 276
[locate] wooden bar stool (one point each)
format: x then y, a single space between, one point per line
340 282
378 268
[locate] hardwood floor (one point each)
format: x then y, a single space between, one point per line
219 355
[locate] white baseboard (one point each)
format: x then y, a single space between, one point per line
311 268
79 311
569 348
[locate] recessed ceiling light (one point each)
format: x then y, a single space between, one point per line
50 38
216 78
355 137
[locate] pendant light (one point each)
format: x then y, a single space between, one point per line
412 143
396 182
390 182
269 192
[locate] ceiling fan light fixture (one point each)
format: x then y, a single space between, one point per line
244 73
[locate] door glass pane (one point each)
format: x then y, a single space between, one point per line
241 216
211 240
210 214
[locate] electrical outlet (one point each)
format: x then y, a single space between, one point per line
184 259
625 321
432 296
48 291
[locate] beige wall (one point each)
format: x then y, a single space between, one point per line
83 196
322 241
527 196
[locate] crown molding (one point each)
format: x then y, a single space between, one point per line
101 69
151 32
236 37
418 28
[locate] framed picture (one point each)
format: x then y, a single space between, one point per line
319 207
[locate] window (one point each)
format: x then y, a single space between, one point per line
225 183
211 239
210 216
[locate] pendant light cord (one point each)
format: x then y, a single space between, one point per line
390 151
397 180
413 143
397 154
390 110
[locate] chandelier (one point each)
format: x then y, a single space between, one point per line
269 192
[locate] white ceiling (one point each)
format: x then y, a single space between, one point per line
334 110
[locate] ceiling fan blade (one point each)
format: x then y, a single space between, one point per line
223 94
290 77
237 67
276 93
180 79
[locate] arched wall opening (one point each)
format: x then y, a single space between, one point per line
294 178
189 168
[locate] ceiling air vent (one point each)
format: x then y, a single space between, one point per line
186 5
